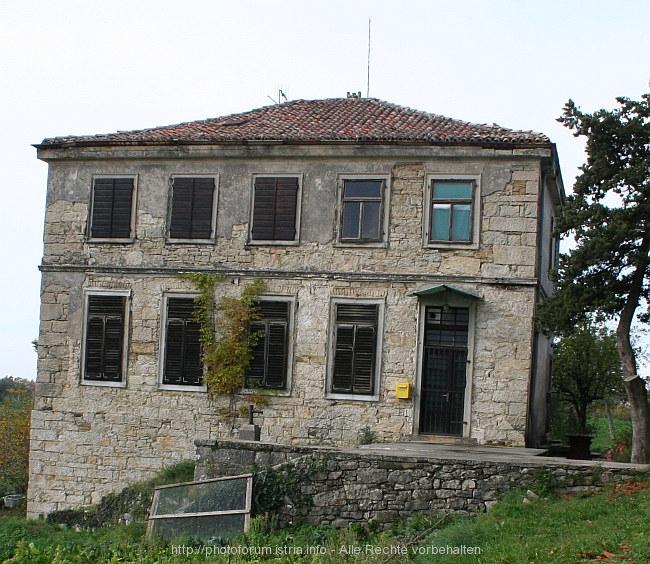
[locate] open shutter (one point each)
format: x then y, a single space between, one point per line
111 210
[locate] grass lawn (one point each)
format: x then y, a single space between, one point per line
609 527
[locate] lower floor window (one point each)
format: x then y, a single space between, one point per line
104 344
183 365
354 348
268 367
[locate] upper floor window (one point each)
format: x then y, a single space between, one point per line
192 208
452 211
355 346
104 341
182 344
269 365
111 208
361 211
275 209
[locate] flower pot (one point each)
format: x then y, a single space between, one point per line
579 446
13 500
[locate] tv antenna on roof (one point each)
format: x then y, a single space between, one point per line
281 95
368 89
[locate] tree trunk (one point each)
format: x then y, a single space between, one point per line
640 414
610 420
635 386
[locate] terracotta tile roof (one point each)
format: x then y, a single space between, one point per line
319 121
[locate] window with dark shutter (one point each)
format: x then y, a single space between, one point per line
104 338
192 205
183 365
268 367
275 204
111 208
355 348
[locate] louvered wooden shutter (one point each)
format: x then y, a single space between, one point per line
111 209
268 367
274 209
183 365
104 338
192 204
356 348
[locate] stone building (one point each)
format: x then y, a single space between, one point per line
403 255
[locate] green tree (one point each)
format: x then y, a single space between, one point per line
608 271
586 368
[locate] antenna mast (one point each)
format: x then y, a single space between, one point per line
368 89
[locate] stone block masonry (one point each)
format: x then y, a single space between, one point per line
337 487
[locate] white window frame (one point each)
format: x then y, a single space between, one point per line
163 345
341 178
91 203
273 242
213 219
126 336
331 348
476 211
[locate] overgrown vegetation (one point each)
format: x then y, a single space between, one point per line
586 368
228 346
607 527
15 420
130 505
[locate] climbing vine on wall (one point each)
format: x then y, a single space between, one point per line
228 346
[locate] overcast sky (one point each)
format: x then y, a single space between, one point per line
98 66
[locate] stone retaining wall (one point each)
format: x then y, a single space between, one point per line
337 487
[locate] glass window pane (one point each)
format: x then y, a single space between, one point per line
440 218
351 220
363 189
370 226
452 190
461 223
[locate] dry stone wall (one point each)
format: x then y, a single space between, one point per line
334 487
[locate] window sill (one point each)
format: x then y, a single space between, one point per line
190 241
102 384
452 245
361 245
272 243
352 397
105 241
264 391
182 388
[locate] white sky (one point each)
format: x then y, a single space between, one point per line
97 66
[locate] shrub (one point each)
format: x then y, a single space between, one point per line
15 421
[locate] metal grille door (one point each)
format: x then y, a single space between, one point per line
444 369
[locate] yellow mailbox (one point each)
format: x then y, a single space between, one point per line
403 390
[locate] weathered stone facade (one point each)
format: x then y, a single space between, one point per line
90 439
